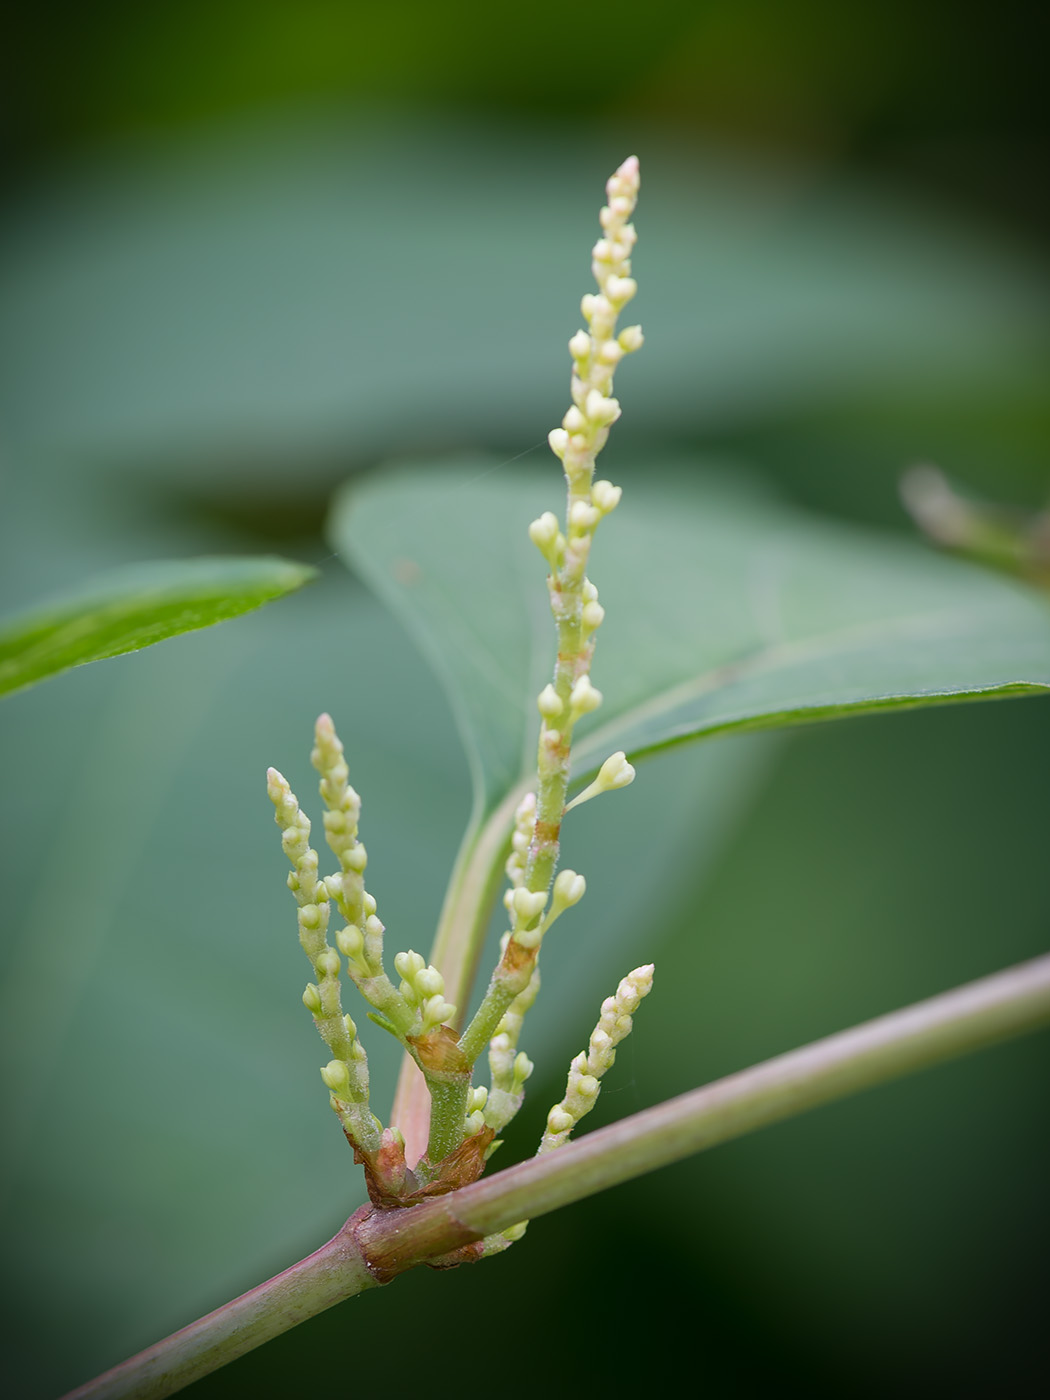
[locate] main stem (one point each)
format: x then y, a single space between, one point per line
377 1246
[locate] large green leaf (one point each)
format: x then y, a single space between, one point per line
133 607
726 610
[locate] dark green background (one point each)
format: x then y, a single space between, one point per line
247 249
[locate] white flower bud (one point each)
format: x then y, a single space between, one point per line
620 289
312 999
615 772
544 531
601 410
374 927
409 964
569 888
429 982
611 353
548 703
584 517
478 1098
368 903
590 593
312 915
631 338
436 1010
580 345
584 697
606 496
592 616
558 439
587 308
529 904
574 421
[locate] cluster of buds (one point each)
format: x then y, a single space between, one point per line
537 894
598 350
416 1012
510 1067
346 1074
524 822
423 986
474 1120
582 1087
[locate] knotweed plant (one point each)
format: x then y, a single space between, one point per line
465 1118
428 1203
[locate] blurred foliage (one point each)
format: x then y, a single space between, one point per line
134 607
246 250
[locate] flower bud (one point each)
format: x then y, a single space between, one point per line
548 703
631 338
544 531
327 963
529 904
409 964
620 289
606 496
580 345
558 439
584 697
350 941
336 1076
584 517
592 616
429 982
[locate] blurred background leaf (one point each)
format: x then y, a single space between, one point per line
247 250
131 608
726 610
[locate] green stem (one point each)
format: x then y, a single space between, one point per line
448 1109
457 948
378 1245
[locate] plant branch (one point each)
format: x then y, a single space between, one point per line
968 1018
335 1271
375 1246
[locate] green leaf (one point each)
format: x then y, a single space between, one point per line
216 307
725 610
133 607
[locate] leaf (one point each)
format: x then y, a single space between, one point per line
725 610
215 307
133 607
